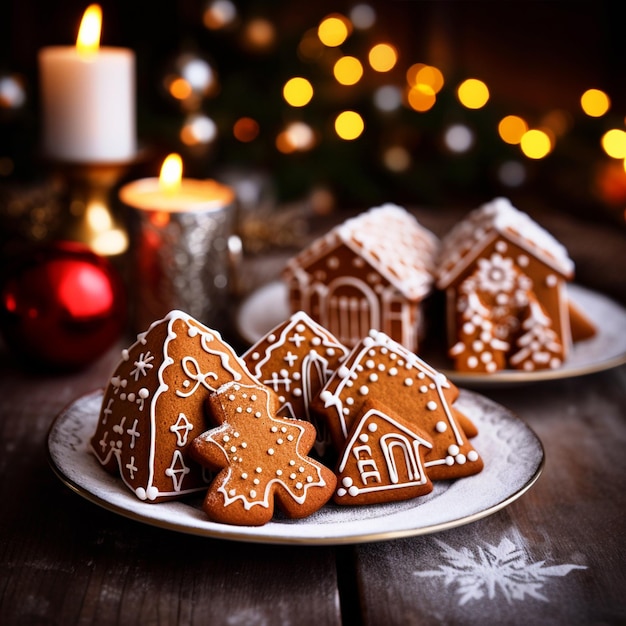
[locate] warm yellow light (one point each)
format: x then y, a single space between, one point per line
333 30
349 125
383 57
421 98
595 103
535 144
420 74
348 70
171 174
180 89
511 129
88 40
473 93
614 143
98 216
298 91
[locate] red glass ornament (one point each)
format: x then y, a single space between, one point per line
62 305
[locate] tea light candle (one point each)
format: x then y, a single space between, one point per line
88 98
170 193
181 230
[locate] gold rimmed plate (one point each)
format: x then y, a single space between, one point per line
512 453
267 307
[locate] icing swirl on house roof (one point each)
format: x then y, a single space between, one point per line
468 238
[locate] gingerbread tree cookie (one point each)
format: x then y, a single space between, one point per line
261 460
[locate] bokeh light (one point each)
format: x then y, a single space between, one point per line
333 30
246 129
362 16
348 70
512 128
382 57
458 138
512 173
595 102
219 14
397 159
388 98
259 34
349 125
421 98
473 93
614 143
535 144
198 129
297 137
428 75
298 91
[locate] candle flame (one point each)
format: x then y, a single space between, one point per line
88 41
171 174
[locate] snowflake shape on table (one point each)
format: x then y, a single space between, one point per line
496 274
504 568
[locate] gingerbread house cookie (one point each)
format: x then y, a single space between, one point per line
261 460
505 280
153 406
382 460
381 371
372 271
295 359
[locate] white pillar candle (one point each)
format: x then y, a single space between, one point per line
88 103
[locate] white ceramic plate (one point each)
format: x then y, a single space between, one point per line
268 307
512 453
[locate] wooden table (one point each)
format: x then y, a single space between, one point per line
555 556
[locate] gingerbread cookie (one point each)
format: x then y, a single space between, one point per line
153 406
382 460
505 280
295 359
260 459
381 371
372 271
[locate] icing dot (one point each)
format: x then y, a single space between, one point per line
244 475
297 392
346 411
231 397
152 493
441 427
370 363
301 469
472 455
292 462
408 382
279 472
292 476
453 450
300 328
244 444
347 481
491 367
393 371
125 355
258 470
283 429
423 389
233 449
309 479
231 492
253 398
364 437
472 362
373 378
252 493
330 352
257 414
478 346
372 428
270 451
143 393
353 491
364 390
551 280
256 481
341 492
431 406
226 438
460 459
316 341
449 460
522 260
343 372
349 400
271 338
298 485
255 356
279 442
274 429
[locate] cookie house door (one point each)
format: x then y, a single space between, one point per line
352 310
